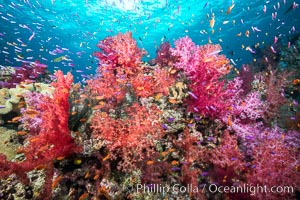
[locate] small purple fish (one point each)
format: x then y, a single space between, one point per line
210 138
171 119
175 168
204 173
164 127
293 118
249 137
193 95
273 50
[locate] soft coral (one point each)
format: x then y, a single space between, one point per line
131 138
53 138
204 68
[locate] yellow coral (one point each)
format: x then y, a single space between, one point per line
9 97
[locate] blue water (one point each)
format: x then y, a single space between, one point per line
76 27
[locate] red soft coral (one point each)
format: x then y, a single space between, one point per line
163 55
275 165
53 139
121 73
130 139
120 50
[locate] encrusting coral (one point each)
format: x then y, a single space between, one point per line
11 97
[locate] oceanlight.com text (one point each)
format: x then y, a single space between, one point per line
249 189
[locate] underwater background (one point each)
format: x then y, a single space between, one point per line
141 99
78 25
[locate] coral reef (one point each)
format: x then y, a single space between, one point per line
180 122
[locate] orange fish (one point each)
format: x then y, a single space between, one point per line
60 158
21 133
55 181
77 101
31 112
106 157
20 150
229 121
97 107
39 167
296 81
172 71
96 177
84 196
87 175
83 96
247 33
150 162
102 103
140 88
22 86
174 162
173 101
99 97
15 119
229 9
164 153
239 34
21 104
34 139
212 22
209 59
83 120
158 96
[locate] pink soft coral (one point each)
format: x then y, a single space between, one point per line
204 68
